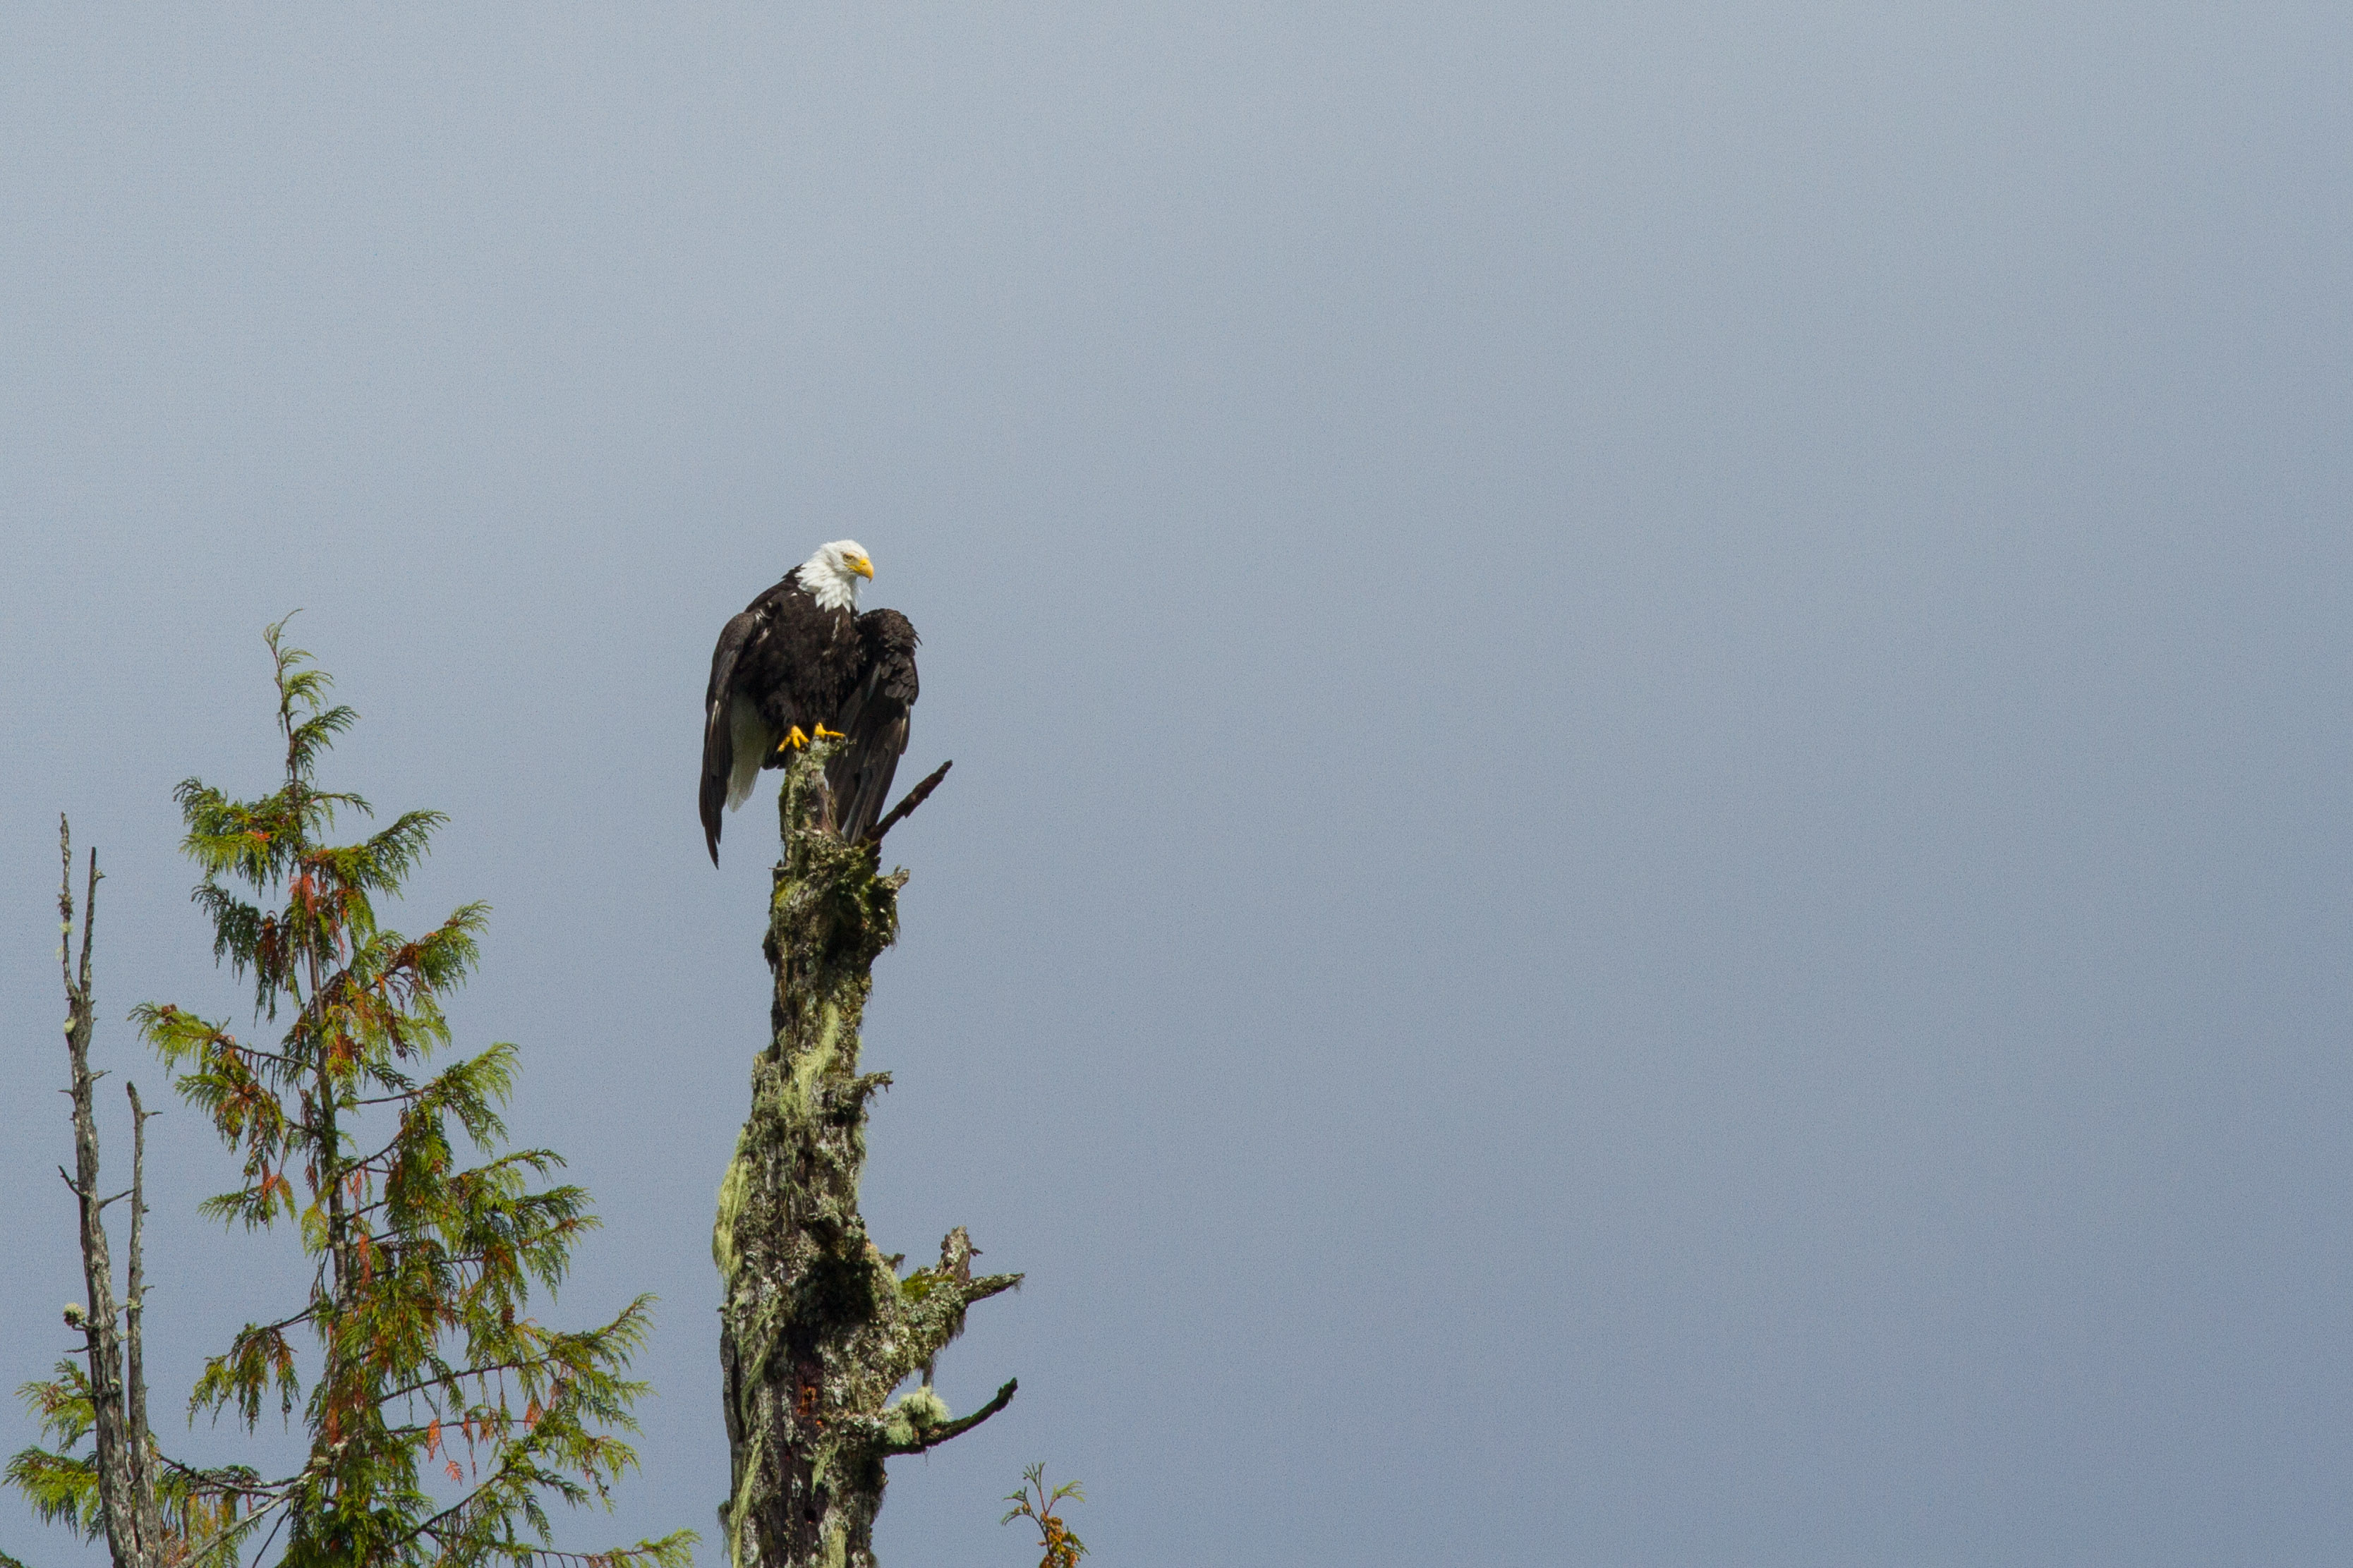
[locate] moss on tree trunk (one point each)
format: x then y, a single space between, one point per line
817 1325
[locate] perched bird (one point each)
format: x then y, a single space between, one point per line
801 663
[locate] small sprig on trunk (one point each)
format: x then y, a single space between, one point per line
1036 1504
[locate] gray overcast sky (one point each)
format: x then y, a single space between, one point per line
1649 852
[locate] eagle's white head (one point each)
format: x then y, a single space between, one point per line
831 575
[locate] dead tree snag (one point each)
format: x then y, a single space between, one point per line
817 1325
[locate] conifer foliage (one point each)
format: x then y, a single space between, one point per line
440 1417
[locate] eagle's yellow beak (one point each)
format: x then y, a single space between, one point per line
860 565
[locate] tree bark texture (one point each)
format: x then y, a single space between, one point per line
817 1325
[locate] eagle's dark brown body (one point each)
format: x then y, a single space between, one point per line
787 662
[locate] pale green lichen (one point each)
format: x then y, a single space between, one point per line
904 1420
733 1187
738 1515
811 1067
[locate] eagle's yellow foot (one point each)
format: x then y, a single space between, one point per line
793 740
825 734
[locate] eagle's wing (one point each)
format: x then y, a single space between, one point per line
875 720
718 727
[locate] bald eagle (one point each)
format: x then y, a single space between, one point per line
801 663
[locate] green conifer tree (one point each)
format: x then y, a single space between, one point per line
440 1417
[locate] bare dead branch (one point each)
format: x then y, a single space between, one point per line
915 797
932 1436
134 1403
121 1436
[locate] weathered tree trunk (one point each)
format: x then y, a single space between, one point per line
816 1326
125 1457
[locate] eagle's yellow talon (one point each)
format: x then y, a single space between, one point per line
793 740
825 734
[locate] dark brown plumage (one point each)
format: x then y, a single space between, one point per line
875 719
788 662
